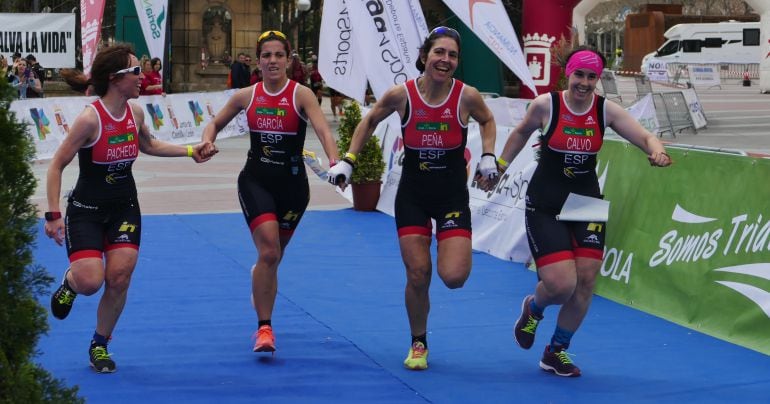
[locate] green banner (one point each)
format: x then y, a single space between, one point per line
690 243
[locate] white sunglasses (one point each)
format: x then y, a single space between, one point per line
136 70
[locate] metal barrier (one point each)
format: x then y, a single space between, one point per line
672 112
609 86
643 86
726 70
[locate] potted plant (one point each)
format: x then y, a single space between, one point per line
367 174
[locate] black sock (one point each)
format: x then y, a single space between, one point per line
421 338
264 322
98 339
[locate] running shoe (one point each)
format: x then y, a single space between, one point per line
558 363
417 358
526 325
100 359
265 339
63 299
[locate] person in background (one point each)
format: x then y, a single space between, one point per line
316 82
568 254
239 72
152 83
4 70
273 187
435 110
33 65
102 225
256 76
25 80
297 70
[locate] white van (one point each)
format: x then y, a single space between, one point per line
705 43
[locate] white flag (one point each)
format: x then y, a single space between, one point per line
489 21
338 63
152 17
389 35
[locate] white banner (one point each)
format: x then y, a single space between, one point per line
375 39
50 37
176 118
388 41
704 75
152 17
489 21
337 62
657 70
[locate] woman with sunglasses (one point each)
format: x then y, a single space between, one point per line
273 186
434 109
102 226
568 255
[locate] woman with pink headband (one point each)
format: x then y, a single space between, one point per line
568 254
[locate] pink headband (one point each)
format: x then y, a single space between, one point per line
585 59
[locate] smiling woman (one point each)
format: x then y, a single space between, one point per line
102 229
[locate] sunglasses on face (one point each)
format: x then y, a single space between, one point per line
136 70
268 34
444 31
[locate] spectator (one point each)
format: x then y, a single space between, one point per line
4 70
25 81
256 76
33 65
316 82
151 82
239 72
297 70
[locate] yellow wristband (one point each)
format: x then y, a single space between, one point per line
350 156
189 151
502 163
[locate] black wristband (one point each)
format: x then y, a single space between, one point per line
489 154
349 161
51 216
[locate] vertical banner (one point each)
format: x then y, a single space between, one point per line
90 30
337 62
152 17
388 39
490 22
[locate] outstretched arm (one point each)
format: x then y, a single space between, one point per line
630 129
309 103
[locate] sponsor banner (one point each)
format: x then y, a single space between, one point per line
337 61
175 118
388 39
693 249
50 37
696 109
490 23
657 70
152 18
704 75
90 30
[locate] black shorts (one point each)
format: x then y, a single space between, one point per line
414 211
552 241
283 200
91 229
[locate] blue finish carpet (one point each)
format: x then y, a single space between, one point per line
342 331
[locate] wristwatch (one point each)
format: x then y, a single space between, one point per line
51 216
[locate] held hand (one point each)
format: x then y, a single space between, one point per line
204 151
340 174
55 230
660 159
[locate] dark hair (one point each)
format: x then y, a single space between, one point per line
154 61
106 63
31 57
585 48
271 36
437 33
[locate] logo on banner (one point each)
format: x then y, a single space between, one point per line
41 122
156 114
537 52
197 112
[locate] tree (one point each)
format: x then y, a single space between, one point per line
23 319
